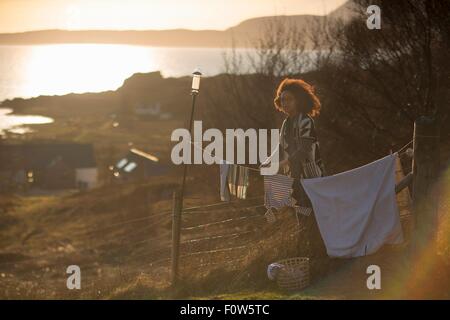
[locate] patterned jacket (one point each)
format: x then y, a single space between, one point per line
305 160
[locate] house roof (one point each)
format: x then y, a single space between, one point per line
138 158
144 154
39 156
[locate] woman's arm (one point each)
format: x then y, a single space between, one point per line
283 161
279 148
306 140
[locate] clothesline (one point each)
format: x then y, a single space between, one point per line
258 170
239 165
405 146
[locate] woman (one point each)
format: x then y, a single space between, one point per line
299 146
299 149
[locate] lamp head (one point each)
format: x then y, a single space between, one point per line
196 76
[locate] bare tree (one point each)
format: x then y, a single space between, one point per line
372 84
250 77
384 79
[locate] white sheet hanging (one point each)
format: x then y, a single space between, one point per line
356 210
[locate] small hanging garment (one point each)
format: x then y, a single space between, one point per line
356 211
277 194
224 191
238 181
243 182
277 191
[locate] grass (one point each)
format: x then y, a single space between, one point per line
45 234
41 235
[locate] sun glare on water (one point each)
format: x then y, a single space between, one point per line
82 67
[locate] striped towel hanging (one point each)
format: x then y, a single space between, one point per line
277 191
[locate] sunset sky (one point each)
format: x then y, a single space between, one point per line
27 15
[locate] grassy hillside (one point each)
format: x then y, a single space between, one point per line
120 236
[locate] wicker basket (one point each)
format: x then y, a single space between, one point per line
295 274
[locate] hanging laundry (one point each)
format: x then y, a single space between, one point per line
238 181
356 211
277 191
232 179
243 182
278 194
224 191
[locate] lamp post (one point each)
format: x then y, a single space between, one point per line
196 76
178 195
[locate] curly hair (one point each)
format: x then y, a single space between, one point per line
304 93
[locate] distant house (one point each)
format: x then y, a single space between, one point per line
152 110
50 166
137 164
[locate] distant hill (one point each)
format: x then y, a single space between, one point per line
243 34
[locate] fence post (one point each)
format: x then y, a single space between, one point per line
176 224
425 177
